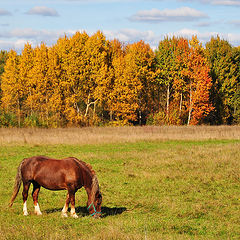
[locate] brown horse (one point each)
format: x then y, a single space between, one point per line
67 174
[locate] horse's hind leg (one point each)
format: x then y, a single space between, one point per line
65 208
36 189
25 196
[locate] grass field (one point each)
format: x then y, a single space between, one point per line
183 184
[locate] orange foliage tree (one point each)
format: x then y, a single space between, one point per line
184 73
132 76
85 80
200 84
12 89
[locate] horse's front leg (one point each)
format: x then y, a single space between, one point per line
65 208
36 189
72 200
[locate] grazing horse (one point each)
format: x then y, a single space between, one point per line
66 174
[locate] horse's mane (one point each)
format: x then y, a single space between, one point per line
87 165
95 184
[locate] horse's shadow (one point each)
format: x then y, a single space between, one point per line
83 212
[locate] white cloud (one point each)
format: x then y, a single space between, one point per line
236 23
202 36
180 14
216 2
16 39
226 2
6 44
43 11
4 12
232 38
133 35
203 24
130 35
100 1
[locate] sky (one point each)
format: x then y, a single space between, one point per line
37 21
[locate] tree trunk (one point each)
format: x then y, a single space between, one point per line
140 117
19 113
190 105
111 116
168 97
94 108
89 104
86 113
31 105
47 114
180 107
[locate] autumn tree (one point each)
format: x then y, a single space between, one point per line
131 81
200 84
180 83
225 74
72 62
3 59
123 99
184 76
166 63
236 97
55 91
84 76
39 86
24 76
96 85
171 58
12 89
142 56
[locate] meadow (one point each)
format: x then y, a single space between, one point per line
156 182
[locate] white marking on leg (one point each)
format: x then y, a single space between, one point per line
37 210
25 212
64 211
73 213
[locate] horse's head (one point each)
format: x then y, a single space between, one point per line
94 207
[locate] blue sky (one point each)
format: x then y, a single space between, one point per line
39 21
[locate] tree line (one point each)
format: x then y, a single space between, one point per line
87 80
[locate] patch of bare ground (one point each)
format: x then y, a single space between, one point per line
98 135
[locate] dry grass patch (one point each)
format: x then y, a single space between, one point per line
100 135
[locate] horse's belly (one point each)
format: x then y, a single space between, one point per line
52 182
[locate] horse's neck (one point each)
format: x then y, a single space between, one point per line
90 182
87 184
90 194
88 187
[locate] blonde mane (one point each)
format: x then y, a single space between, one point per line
95 184
87 165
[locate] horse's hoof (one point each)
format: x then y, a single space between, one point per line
38 213
25 214
64 215
74 215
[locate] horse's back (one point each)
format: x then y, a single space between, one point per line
51 173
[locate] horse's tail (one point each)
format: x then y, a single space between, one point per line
18 181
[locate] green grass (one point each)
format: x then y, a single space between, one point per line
151 190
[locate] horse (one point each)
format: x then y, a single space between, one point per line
53 174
